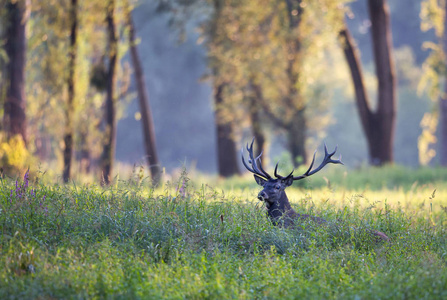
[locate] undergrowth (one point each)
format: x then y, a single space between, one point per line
192 240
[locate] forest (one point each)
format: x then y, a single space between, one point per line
162 84
123 123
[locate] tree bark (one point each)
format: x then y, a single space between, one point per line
226 147
443 105
254 100
296 127
84 156
68 137
296 138
146 114
386 112
355 67
108 154
14 120
379 126
256 128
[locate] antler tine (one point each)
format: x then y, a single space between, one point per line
307 173
261 168
276 171
326 160
258 170
245 164
334 161
279 176
250 149
312 163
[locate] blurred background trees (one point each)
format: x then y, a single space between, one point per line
378 125
218 72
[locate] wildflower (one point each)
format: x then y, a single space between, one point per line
18 190
26 179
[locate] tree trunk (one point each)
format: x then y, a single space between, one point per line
146 114
68 137
355 66
296 139
108 154
296 127
378 126
258 134
254 101
14 122
84 156
386 111
226 147
443 105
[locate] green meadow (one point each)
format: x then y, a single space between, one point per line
204 238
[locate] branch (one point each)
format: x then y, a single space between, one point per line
352 58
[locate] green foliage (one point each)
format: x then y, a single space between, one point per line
183 241
434 70
14 155
432 16
251 43
427 139
47 73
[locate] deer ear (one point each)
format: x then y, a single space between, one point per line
259 180
287 181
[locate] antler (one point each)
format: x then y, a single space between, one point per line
259 171
256 169
326 160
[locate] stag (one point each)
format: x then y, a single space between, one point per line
273 193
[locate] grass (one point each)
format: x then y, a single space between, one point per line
212 240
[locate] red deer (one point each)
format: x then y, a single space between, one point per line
273 193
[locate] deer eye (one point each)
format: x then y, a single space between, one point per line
277 186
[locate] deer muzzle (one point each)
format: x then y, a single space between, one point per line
262 196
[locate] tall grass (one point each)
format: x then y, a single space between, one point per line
193 240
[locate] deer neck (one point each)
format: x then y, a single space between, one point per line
277 209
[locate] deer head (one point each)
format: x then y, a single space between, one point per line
273 188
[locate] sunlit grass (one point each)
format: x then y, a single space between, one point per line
207 238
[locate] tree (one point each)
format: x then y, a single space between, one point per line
213 16
379 125
71 81
147 122
296 125
255 112
226 147
14 121
433 16
443 98
263 62
108 154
